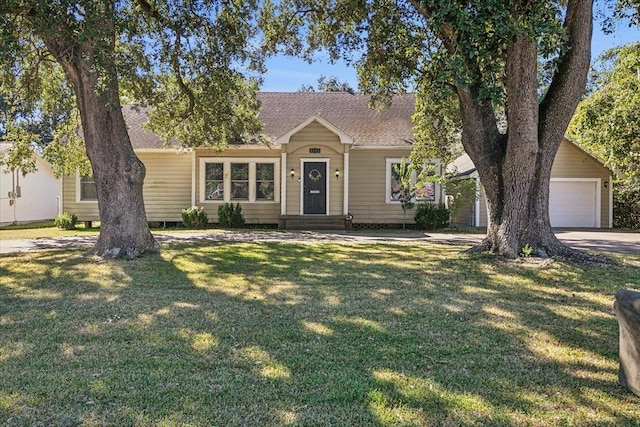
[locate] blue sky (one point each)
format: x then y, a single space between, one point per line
287 74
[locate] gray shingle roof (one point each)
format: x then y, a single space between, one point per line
282 111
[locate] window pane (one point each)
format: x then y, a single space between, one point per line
240 171
239 190
88 190
214 181
396 185
427 192
239 181
265 183
264 190
214 190
214 172
264 172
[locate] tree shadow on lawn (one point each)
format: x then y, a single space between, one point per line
307 334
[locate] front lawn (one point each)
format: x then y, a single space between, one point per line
273 334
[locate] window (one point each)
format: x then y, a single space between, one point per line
394 185
427 191
237 179
265 181
214 181
88 190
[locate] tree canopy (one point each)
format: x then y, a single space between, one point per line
328 84
474 66
195 63
607 122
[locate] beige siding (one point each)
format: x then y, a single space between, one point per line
254 212
484 217
85 211
466 213
315 136
367 187
167 188
572 162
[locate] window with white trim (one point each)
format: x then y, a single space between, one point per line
239 179
88 190
214 181
265 181
425 193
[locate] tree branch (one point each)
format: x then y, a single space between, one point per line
175 55
570 78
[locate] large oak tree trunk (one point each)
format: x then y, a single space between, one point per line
515 168
119 175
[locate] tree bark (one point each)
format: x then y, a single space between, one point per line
515 169
119 174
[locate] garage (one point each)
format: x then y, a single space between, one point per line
574 202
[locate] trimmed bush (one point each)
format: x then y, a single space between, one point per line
230 216
194 217
431 216
66 221
626 204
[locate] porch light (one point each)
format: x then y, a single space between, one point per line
606 184
337 173
292 173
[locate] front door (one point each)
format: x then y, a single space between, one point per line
315 188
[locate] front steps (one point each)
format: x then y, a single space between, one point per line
314 222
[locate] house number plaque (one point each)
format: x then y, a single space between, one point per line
314 151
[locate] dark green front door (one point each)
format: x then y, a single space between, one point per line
315 188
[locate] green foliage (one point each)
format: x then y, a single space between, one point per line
462 191
230 216
66 221
607 122
328 84
526 251
194 217
195 63
404 173
626 204
432 216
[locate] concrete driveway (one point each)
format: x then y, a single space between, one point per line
592 240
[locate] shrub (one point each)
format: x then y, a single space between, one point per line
194 217
230 216
431 216
626 204
66 221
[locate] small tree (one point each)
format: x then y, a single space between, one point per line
403 173
462 191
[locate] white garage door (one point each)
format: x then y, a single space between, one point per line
573 203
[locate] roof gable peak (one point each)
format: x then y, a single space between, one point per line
344 138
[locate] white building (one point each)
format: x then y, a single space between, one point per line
39 194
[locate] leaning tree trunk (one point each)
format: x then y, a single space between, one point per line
89 64
515 168
119 176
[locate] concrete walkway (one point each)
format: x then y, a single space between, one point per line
592 240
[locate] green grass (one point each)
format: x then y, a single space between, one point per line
272 334
45 229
